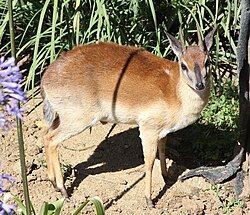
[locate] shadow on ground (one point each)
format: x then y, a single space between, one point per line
119 152
197 145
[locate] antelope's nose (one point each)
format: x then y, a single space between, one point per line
199 86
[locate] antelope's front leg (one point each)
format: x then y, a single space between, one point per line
149 143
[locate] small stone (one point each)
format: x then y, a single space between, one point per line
39 124
34 126
124 182
31 178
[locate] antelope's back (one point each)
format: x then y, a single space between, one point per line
110 73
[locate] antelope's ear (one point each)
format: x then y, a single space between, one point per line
176 45
209 39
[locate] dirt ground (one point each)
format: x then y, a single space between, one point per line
112 168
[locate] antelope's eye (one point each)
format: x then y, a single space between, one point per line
183 66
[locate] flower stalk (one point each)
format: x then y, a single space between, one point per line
18 119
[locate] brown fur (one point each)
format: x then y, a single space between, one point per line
111 83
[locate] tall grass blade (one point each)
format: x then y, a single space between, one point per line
152 8
76 23
53 32
5 21
31 75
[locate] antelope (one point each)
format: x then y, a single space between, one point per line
106 82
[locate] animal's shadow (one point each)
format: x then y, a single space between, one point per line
119 152
124 151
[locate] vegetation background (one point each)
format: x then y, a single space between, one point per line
45 28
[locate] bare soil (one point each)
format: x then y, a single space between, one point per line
112 168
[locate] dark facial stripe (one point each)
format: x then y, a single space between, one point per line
197 72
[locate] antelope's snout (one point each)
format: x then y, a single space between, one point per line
200 86
199 79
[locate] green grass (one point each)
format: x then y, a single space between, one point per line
228 204
44 28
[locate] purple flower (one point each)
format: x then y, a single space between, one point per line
6 177
10 92
5 208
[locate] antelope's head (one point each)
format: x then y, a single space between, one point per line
193 60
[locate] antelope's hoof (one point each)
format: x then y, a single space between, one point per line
64 192
150 204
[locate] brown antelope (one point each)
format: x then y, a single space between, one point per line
107 82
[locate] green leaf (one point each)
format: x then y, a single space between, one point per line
44 208
97 203
20 204
52 208
31 76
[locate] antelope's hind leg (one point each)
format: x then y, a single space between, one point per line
52 158
66 128
162 157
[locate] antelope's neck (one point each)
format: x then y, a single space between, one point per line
192 102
